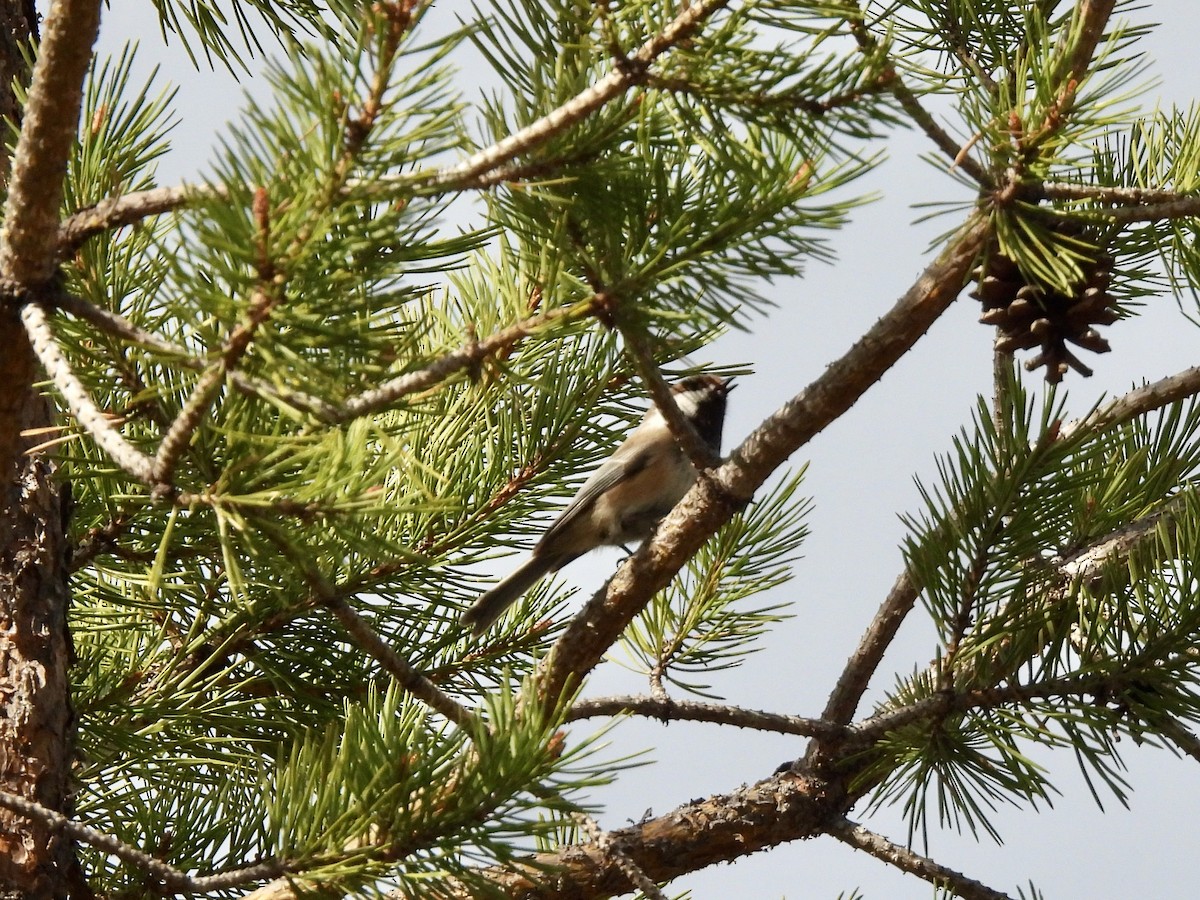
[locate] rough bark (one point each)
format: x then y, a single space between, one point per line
35 711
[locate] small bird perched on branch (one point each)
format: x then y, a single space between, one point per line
624 499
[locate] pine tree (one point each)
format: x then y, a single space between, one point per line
267 436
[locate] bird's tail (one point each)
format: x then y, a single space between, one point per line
491 606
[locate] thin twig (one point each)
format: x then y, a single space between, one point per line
864 734
852 683
170 878
116 324
620 78
956 151
470 354
684 432
79 401
696 711
406 675
658 690
912 105
913 863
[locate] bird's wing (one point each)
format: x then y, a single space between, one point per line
615 469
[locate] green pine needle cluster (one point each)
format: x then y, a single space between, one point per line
1071 660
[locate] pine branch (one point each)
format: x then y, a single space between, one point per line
1085 564
366 403
913 863
682 430
625 74
696 711
406 675
117 325
469 355
856 676
170 878
129 209
79 401
718 495
1117 545
48 130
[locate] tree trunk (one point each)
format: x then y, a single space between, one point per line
35 708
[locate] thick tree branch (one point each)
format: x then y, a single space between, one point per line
913 863
720 494
29 251
783 808
612 848
28 241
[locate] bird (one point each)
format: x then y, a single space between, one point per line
623 500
